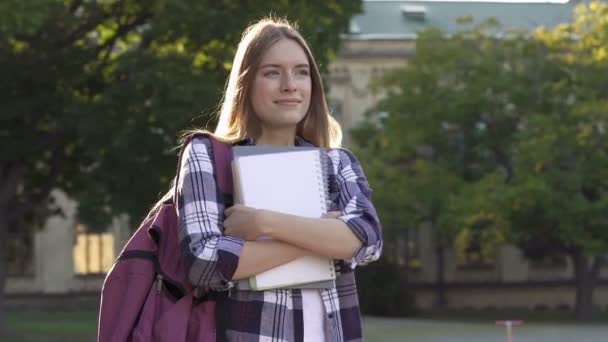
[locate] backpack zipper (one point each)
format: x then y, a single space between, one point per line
148 255
159 282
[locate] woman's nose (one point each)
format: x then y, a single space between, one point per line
288 84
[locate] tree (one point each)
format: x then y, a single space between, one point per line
433 106
519 123
99 90
562 188
409 186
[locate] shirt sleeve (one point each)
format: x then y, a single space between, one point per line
358 212
211 257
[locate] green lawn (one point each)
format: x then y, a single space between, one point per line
53 326
377 329
457 326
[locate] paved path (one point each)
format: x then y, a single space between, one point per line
414 330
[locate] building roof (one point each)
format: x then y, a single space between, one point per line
391 19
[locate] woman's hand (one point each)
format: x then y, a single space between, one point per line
243 222
248 223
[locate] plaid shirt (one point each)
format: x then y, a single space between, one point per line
272 315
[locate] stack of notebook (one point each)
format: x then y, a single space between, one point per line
291 180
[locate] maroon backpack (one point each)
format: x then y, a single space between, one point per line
146 295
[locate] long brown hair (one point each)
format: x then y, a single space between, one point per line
236 119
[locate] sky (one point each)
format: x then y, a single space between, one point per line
519 1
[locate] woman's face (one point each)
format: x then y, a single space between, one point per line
282 85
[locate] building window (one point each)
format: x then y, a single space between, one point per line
93 252
551 262
403 250
20 252
407 249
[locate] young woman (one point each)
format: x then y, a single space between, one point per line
274 96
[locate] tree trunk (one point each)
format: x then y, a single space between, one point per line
585 278
4 329
441 298
9 178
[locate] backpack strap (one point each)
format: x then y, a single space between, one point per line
222 156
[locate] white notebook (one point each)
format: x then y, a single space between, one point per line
292 181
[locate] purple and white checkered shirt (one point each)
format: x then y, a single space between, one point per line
273 315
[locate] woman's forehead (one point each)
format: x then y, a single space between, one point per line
284 52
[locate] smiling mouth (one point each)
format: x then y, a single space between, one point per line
287 102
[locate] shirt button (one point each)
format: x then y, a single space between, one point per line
330 315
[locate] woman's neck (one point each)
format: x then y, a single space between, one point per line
285 137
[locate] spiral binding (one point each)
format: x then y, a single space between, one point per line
322 176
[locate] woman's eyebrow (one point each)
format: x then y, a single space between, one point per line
271 65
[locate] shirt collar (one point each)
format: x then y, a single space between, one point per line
299 141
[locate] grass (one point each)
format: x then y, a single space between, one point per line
52 326
82 325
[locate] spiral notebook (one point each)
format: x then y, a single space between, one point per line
291 180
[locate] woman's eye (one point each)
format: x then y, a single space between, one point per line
271 73
303 72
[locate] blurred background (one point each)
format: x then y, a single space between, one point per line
481 125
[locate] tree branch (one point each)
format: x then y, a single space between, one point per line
74 6
503 160
121 32
36 198
500 156
11 173
83 29
94 19
598 262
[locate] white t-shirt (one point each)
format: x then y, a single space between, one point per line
312 307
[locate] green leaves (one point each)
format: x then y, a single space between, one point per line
100 90
504 134
24 17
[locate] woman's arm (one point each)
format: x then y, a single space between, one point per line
325 236
355 236
259 256
328 237
211 257
215 260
